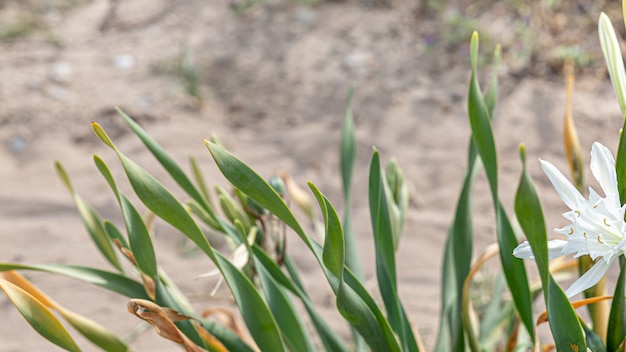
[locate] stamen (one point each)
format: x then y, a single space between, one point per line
600 240
571 231
577 213
585 235
606 223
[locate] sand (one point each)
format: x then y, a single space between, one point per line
274 79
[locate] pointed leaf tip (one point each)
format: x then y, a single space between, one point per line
522 153
474 50
63 176
101 133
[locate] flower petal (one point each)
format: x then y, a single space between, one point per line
568 193
555 249
589 279
603 169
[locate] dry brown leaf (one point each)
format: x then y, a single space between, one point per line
159 318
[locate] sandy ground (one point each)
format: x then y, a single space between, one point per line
273 80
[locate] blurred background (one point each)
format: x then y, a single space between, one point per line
271 78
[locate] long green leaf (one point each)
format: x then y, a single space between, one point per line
564 324
347 156
39 316
530 216
482 137
138 235
105 279
161 202
94 332
139 238
250 183
92 222
330 340
620 165
287 317
566 330
617 328
166 161
385 255
352 305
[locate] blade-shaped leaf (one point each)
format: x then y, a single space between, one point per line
92 222
566 330
287 317
617 317
482 137
166 161
39 316
564 324
161 202
385 255
93 331
105 279
330 340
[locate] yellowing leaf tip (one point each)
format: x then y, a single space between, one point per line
101 133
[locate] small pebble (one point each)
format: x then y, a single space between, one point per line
61 72
124 61
18 145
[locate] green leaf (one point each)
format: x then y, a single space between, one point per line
139 238
114 234
285 313
491 95
564 324
620 165
347 156
199 178
566 330
250 183
254 310
105 279
480 123
330 339
381 224
94 332
92 222
162 203
39 316
352 305
166 160
617 329
482 137
530 217
333 253
385 254
358 308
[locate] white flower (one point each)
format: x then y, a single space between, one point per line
597 225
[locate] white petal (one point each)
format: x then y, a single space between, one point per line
589 279
555 249
523 251
563 187
603 169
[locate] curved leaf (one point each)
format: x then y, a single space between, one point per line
39 316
